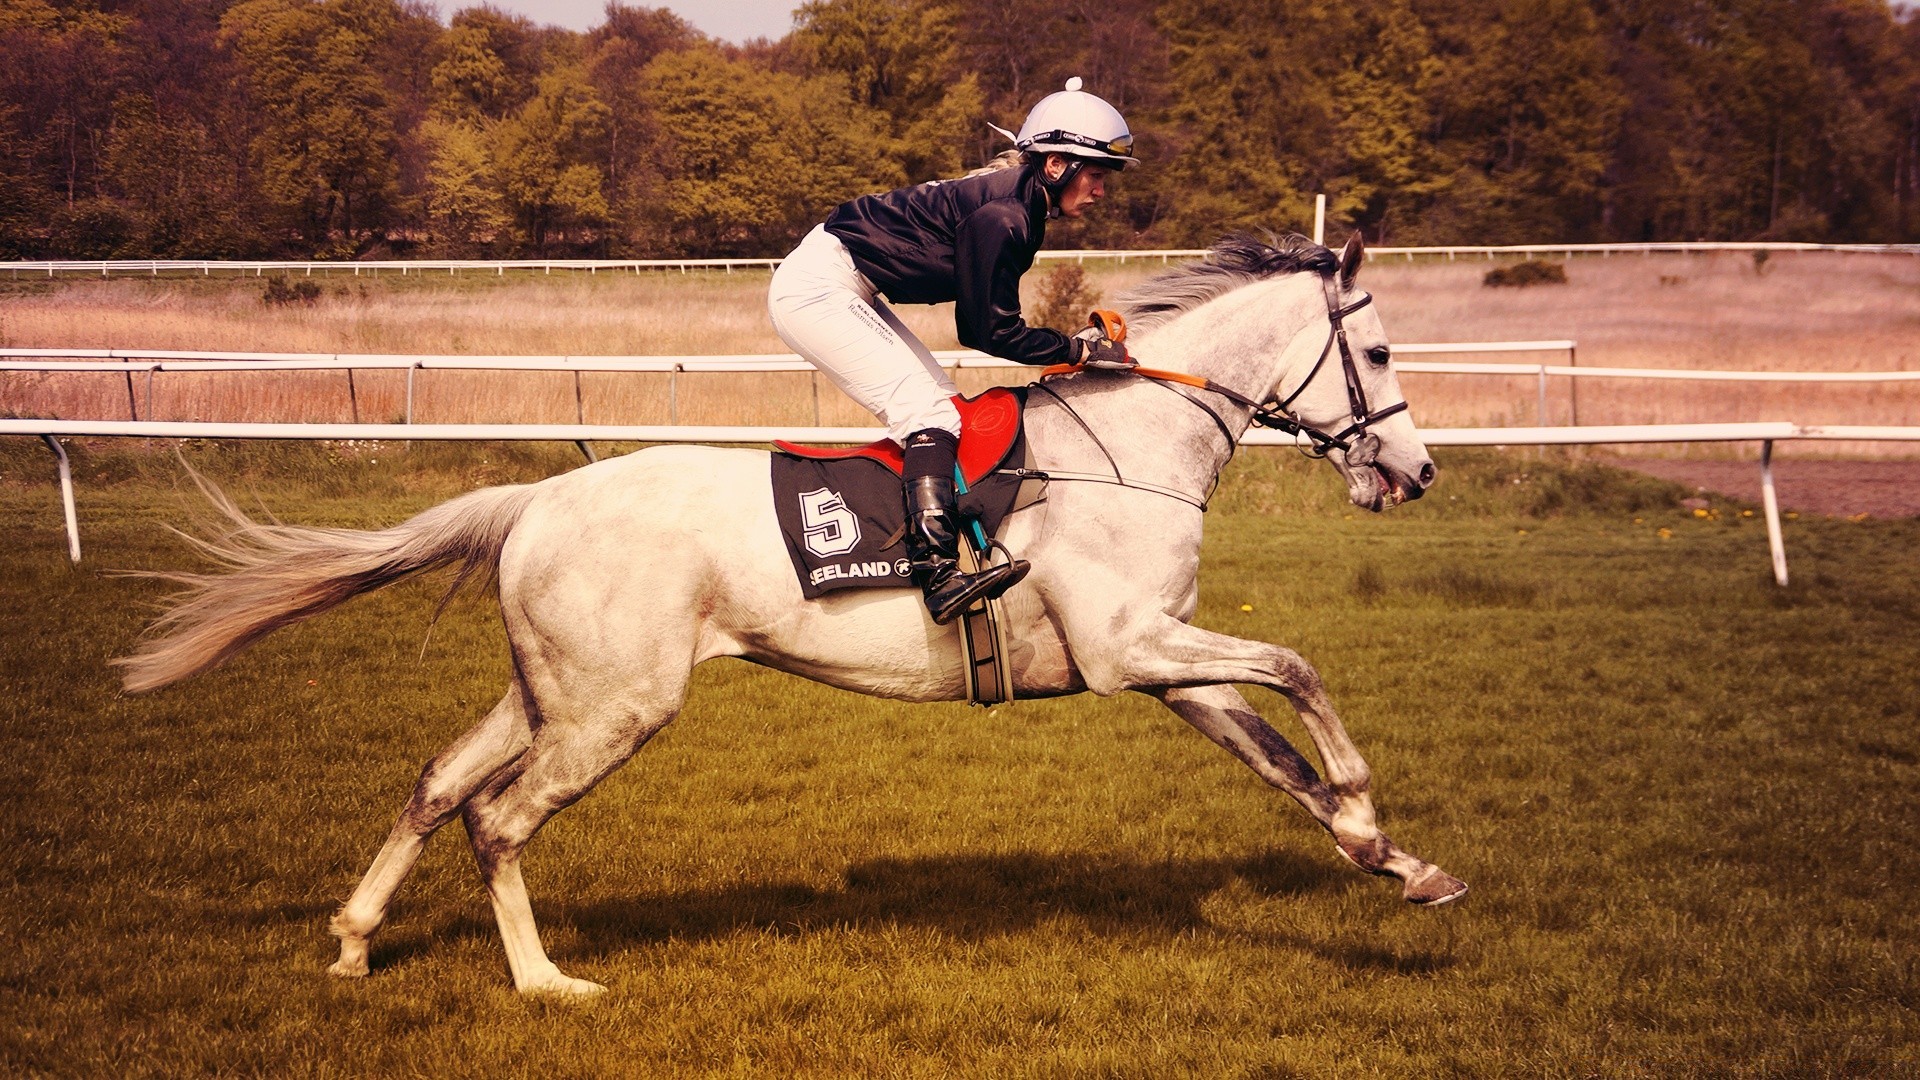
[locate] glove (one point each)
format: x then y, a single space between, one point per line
1093 348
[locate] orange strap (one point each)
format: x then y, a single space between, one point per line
1149 373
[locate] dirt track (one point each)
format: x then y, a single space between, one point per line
1882 489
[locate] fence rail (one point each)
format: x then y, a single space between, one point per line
1766 434
151 362
499 267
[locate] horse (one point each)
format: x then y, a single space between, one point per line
617 579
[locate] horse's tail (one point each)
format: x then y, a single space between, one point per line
276 575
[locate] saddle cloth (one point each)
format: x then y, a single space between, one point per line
842 513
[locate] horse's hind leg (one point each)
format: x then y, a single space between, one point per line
567 758
446 783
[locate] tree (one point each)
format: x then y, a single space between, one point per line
1525 117
749 158
24 201
465 205
620 52
472 81
327 141
1252 134
1381 104
548 155
61 69
897 58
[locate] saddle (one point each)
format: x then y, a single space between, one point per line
990 425
843 519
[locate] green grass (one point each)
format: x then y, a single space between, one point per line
1682 797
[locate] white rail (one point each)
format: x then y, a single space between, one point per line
201 360
149 362
499 267
51 431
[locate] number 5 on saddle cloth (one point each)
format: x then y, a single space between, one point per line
844 521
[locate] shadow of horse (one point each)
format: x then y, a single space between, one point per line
970 897
983 896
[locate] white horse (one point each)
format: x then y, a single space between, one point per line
617 578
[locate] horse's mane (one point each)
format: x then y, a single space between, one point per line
1239 259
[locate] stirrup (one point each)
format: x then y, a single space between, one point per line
985 584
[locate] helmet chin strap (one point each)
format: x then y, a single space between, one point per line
1056 188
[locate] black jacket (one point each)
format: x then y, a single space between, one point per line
964 240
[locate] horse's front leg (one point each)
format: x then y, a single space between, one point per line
1221 714
1190 669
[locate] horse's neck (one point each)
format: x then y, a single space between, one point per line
1153 435
1240 339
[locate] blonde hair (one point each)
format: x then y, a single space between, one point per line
1005 159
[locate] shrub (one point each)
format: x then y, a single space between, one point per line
94 229
283 291
1064 299
1521 275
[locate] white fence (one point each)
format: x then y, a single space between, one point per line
1766 434
147 363
151 362
499 267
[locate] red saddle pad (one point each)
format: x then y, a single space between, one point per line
989 424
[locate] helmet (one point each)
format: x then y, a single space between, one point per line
1080 125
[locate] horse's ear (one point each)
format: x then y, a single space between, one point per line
1350 257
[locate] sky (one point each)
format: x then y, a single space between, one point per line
729 20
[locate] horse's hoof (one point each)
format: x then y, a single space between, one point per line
1433 886
561 986
344 969
353 959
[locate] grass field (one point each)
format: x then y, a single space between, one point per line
1684 799
1800 311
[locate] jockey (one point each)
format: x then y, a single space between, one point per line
968 241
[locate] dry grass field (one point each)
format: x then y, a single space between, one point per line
1797 311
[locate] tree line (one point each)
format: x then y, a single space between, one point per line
344 128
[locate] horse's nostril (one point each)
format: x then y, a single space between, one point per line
1426 475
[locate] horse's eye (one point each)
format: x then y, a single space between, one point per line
1380 354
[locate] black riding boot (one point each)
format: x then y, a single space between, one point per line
933 531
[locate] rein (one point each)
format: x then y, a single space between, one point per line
1360 446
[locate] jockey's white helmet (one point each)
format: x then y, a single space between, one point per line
1078 124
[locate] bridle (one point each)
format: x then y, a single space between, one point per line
1359 446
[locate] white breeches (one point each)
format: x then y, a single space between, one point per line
829 313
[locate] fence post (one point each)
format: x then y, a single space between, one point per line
411 368
66 497
1771 502
1573 389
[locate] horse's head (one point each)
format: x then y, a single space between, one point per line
1344 388
1282 330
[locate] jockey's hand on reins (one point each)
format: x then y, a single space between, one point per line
1102 345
